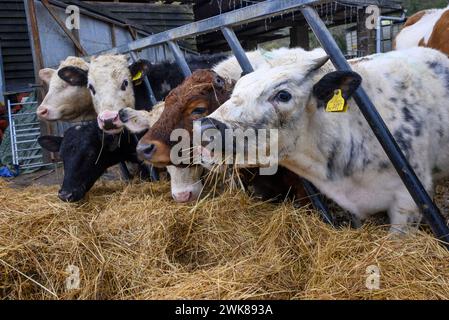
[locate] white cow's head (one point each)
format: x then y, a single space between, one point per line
111 84
185 183
67 98
282 97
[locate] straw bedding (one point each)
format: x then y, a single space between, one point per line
131 241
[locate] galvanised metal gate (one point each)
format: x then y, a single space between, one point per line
24 129
270 8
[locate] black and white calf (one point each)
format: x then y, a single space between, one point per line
337 151
86 153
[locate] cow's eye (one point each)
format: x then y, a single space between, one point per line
124 85
198 111
91 88
283 96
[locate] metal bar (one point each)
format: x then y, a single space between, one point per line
153 100
180 59
317 201
24 114
20 103
246 66
30 157
28 135
64 28
26 141
247 14
237 49
394 153
28 129
11 131
124 170
28 124
29 149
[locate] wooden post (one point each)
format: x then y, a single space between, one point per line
299 36
38 63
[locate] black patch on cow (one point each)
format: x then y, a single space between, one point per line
348 169
410 118
393 99
169 72
384 165
404 140
441 71
331 160
401 85
436 170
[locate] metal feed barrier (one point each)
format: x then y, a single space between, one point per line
270 8
23 138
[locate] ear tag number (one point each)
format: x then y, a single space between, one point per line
138 76
337 103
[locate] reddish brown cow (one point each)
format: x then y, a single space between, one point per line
427 28
198 96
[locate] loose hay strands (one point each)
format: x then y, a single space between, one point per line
133 242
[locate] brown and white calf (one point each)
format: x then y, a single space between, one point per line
66 101
427 28
337 151
198 96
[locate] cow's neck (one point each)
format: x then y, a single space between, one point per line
319 151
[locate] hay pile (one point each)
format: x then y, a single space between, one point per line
134 242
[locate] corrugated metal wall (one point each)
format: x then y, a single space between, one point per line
16 51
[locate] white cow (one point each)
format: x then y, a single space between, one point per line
69 101
337 151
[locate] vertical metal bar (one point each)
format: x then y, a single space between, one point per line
146 82
237 49
317 201
11 131
246 66
124 170
180 59
394 153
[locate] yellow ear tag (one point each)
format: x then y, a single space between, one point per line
137 76
337 103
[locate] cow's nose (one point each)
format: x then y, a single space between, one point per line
109 125
211 123
42 111
145 151
66 196
185 196
123 115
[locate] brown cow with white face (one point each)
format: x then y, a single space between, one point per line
68 101
427 28
198 96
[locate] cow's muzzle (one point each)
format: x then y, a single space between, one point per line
68 196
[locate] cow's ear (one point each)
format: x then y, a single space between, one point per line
139 69
46 74
50 143
73 75
346 81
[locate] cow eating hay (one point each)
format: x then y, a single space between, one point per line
337 151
